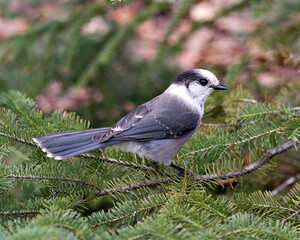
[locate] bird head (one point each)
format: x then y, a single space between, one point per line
198 83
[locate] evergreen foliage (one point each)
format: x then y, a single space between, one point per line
112 194
179 208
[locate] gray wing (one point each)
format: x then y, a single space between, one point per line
153 120
128 121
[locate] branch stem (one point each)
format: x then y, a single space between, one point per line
232 174
23 212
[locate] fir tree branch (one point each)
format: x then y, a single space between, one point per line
286 184
276 207
17 138
77 231
55 179
232 174
120 162
23 212
56 192
127 215
239 126
235 143
121 189
251 167
97 169
246 229
253 137
4 145
217 125
248 100
292 215
140 236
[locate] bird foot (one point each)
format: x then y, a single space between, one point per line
182 171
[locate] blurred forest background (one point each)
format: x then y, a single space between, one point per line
103 58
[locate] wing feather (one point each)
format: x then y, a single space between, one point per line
125 123
153 120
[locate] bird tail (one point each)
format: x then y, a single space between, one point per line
68 144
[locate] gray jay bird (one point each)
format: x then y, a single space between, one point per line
156 129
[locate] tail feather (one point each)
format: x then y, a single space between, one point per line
81 132
71 149
60 148
67 138
69 144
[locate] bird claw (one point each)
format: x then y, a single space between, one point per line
182 171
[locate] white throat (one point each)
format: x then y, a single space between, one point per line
193 103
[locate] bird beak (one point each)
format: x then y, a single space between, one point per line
219 87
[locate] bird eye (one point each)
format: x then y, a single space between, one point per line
203 81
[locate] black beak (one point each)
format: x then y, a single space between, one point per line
219 87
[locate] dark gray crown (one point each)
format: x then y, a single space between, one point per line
189 75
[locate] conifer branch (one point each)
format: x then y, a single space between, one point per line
121 189
17 138
56 192
69 228
251 167
23 212
248 100
120 162
55 179
236 143
253 137
239 126
217 125
246 229
140 236
277 207
127 215
286 184
4 145
232 174
292 215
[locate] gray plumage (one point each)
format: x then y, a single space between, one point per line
156 129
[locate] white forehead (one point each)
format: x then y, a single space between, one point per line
209 75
